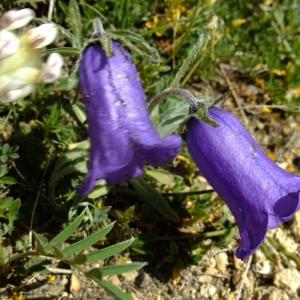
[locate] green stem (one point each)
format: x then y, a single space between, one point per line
193 101
191 57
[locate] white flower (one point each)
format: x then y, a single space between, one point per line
42 35
21 64
9 43
15 19
13 95
52 68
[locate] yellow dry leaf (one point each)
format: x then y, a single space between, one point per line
279 72
261 83
267 109
210 2
175 274
292 93
238 22
268 2
17 296
153 23
271 155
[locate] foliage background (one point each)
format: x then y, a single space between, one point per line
253 50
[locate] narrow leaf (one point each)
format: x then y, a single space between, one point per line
88 241
75 22
119 269
108 251
160 175
66 233
2 255
110 288
79 112
155 199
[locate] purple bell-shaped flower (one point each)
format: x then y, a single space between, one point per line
260 194
122 136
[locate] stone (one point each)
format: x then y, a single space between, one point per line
222 262
288 279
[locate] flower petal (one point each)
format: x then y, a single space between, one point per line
152 149
9 43
42 35
259 193
121 133
15 19
52 69
20 93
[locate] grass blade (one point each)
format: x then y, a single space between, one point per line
155 199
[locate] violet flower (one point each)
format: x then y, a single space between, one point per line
122 136
260 195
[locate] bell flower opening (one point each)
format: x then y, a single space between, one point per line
123 139
259 194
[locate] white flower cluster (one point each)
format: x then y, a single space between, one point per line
21 64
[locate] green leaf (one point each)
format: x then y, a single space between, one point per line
2 255
58 253
110 288
160 175
42 242
9 209
67 51
155 199
120 269
79 259
136 43
79 112
7 180
173 113
75 22
88 241
66 233
108 251
28 1
99 191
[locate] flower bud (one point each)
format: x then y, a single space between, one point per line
9 43
15 19
21 63
42 35
52 69
16 94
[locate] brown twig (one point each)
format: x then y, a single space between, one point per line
189 193
234 93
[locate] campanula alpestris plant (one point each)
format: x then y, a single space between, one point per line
260 194
122 136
